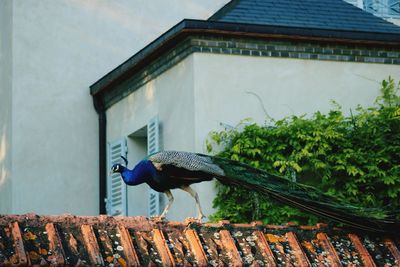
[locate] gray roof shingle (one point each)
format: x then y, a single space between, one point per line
316 14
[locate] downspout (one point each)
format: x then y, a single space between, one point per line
101 112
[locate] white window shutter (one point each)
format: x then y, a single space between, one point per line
116 202
153 146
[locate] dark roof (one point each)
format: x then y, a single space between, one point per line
138 241
316 14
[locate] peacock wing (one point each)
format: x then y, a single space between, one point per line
191 162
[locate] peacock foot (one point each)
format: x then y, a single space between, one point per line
197 219
201 216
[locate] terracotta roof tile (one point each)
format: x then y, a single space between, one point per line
138 241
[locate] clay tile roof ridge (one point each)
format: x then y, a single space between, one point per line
32 239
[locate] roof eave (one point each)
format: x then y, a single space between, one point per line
187 27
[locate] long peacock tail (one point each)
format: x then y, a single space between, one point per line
281 189
305 197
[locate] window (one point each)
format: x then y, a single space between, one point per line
143 141
381 8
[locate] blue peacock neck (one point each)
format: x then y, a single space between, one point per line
141 173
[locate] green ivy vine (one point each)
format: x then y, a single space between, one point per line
355 158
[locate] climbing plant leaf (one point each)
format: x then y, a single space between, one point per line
354 157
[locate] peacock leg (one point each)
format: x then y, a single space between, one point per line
196 197
170 201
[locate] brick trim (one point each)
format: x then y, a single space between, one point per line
253 48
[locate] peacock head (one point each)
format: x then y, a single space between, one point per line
118 168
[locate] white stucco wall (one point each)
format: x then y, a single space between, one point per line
59 48
225 86
170 96
5 104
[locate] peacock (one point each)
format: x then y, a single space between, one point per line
168 170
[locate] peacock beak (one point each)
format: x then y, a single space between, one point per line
111 172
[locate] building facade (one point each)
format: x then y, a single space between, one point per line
249 60
51 52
